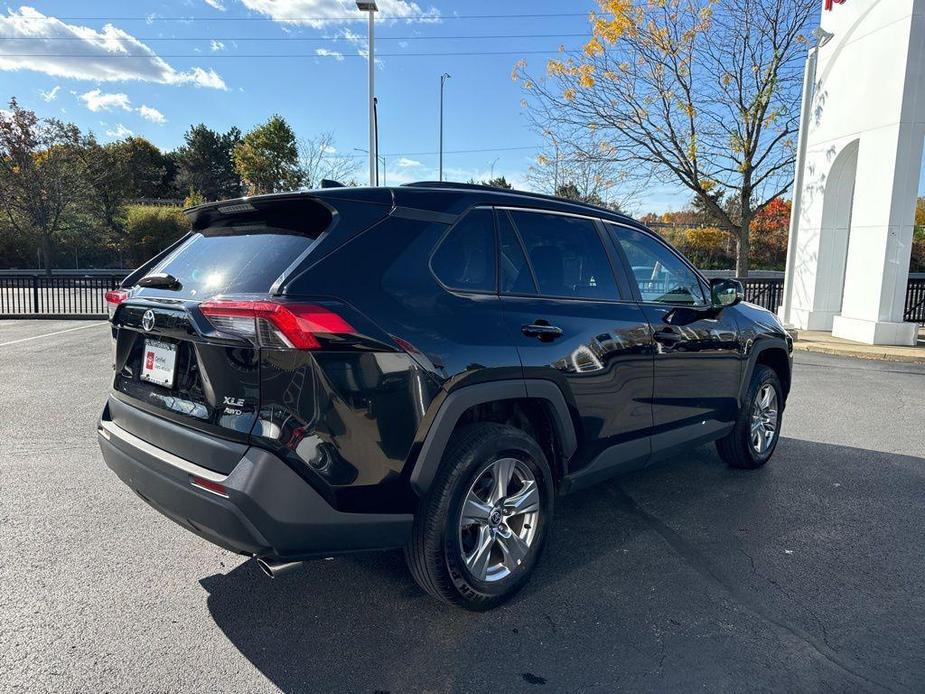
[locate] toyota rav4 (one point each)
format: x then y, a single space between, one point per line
424 367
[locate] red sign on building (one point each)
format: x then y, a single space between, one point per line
829 4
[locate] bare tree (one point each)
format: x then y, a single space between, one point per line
704 93
40 175
318 159
580 173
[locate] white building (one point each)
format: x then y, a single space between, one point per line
854 208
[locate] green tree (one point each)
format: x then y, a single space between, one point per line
40 176
267 158
149 229
570 191
496 182
105 170
147 169
205 164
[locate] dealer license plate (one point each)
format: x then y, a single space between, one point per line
159 362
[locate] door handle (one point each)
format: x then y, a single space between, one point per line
667 336
541 330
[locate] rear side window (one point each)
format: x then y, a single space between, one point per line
516 277
567 256
465 260
231 261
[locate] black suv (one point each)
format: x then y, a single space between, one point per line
423 367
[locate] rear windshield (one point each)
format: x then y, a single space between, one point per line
231 261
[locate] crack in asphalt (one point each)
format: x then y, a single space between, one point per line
707 570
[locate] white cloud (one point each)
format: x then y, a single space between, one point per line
217 4
152 114
95 100
119 132
51 95
328 53
406 163
46 44
216 45
319 13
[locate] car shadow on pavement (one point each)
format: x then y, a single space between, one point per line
805 574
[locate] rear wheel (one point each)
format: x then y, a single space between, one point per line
481 527
754 438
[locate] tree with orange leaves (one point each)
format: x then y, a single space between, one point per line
704 93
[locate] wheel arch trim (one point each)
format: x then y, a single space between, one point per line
458 401
762 345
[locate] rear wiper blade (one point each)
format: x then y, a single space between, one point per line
160 280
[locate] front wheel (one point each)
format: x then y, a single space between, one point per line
754 438
481 528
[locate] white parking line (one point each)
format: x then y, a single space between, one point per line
56 332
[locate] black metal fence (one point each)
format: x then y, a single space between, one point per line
77 295
73 295
915 301
765 291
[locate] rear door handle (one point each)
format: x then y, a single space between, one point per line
541 331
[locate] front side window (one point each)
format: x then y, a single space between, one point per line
465 259
661 276
567 256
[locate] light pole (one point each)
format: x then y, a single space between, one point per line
376 135
380 157
370 7
443 78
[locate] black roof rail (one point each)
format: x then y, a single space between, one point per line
450 185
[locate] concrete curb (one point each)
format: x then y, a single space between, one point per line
860 352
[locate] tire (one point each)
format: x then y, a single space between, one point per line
745 448
442 539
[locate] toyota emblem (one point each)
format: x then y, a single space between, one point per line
147 320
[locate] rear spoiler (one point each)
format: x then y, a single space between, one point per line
281 210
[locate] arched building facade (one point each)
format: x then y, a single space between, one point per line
854 206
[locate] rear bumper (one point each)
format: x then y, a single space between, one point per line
269 511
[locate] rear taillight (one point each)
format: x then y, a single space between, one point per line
113 298
271 324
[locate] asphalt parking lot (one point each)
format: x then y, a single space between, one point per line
808 575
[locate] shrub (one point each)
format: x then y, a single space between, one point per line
708 248
148 230
918 250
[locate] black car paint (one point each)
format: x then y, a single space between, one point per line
354 421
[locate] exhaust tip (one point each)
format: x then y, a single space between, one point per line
262 564
273 569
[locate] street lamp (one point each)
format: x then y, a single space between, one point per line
443 78
380 157
371 8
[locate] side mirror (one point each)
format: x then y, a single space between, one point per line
726 292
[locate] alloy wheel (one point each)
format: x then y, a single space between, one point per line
764 418
498 522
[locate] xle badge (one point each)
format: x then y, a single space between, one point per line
233 405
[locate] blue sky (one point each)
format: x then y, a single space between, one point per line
198 64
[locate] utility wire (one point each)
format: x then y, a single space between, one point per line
300 38
455 151
351 18
337 56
